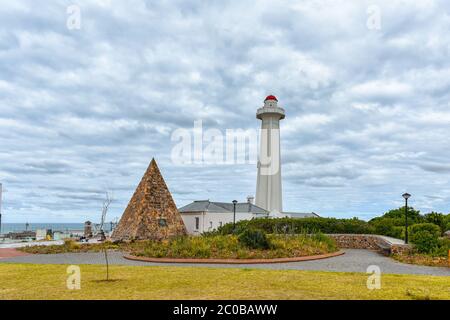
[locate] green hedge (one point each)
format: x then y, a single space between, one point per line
305 225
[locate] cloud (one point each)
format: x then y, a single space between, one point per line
84 111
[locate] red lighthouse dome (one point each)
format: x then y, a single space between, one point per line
271 97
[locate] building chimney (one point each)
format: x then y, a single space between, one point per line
251 199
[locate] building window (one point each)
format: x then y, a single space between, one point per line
197 223
220 223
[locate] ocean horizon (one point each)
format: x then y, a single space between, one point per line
18 227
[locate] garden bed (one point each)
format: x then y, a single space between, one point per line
423 259
231 247
207 247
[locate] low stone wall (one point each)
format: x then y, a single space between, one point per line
400 248
368 241
358 241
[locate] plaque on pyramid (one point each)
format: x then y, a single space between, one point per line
151 212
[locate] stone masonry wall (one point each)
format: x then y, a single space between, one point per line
370 242
400 248
358 241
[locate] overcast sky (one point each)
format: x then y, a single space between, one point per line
84 110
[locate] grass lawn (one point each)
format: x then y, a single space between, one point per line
28 281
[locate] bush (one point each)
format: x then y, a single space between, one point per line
254 239
425 237
433 229
436 218
443 246
321 238
447 228
296 226
388 227
398 232
425 241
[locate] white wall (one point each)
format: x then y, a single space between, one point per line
210 221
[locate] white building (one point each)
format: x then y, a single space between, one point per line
204 215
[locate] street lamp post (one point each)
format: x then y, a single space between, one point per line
234 215
406 197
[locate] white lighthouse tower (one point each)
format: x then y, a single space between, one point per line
268 184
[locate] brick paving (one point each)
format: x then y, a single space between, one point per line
11 253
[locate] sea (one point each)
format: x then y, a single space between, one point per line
17 227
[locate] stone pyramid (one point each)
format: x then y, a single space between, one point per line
151 212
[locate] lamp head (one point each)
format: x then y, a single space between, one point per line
406 196
235 202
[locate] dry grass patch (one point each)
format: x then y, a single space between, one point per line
423 259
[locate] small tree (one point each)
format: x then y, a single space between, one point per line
106 204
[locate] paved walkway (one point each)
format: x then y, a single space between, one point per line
392 240
11 253
352 261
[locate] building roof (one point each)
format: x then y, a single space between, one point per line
302 214
221 207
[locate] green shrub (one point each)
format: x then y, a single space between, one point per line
388 227
425 237
398 232
447 228
436 218
443 246
430 227
254 239
296 226
425 241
